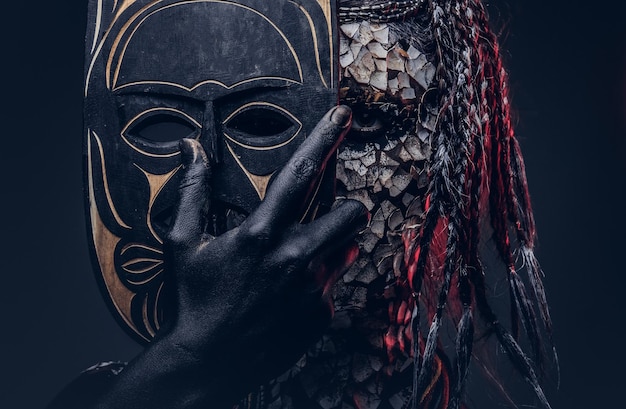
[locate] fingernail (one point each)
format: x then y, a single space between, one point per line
341 115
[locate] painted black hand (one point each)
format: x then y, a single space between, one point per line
250 301
253 293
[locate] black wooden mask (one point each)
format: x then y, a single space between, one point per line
248 78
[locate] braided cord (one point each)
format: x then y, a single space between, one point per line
383 12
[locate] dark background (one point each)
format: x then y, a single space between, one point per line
567 65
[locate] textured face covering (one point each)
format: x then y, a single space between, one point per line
363 360
239 77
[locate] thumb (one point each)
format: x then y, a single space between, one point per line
194 190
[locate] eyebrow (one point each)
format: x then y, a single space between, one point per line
218 89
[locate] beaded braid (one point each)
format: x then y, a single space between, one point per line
448 193
381 12
476 164
511 207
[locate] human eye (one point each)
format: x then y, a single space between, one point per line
368 123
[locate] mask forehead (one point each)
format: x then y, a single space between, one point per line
157 71
201 47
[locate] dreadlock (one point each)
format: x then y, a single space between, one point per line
476 174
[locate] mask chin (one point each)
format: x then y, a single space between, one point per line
220 218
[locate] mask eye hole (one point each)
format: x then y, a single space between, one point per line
367 124
162 127
261 125
260 121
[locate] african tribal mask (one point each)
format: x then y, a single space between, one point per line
237 75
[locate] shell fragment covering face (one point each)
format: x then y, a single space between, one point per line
363 359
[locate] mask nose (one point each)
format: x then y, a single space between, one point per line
232 185
209 136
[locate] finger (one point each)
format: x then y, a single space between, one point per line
192 206
331 232
292 185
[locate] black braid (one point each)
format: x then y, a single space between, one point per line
448 181
378 11
508 198
475 168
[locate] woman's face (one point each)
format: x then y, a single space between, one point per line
383 162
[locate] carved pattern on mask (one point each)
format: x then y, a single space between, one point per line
136 76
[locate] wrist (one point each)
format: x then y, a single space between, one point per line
213 352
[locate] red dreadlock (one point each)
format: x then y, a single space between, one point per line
476 166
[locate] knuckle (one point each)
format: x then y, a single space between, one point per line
355 208
303 168
329 136
352 211
174 239
292 254
258 230
193 181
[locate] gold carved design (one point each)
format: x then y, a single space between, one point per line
105 243
221 84
156 183
263 148
155 155
105 181
125 4
325 4
98 25
315 44
140 246
327 9
125 27
157 319
144 316
143 265
152 264
112 84
259 182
